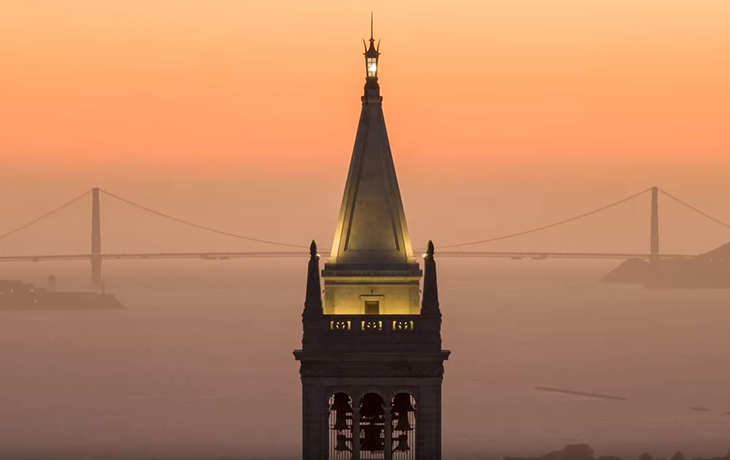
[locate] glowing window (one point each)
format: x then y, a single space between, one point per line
372 65
372 307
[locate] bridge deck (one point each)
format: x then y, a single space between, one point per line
279 254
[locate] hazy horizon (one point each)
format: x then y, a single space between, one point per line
242 115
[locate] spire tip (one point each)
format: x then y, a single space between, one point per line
313 249
371 27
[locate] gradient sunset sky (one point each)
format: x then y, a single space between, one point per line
502 114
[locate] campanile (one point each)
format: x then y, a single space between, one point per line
371 356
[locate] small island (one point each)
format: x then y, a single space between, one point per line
16 295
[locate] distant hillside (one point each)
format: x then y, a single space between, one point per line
585 452
633 271
708 271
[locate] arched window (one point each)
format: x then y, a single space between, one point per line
403 426
340 427
372 427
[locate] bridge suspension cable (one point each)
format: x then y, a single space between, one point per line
545 227
702 213
48 214
198 226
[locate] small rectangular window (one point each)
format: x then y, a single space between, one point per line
372 307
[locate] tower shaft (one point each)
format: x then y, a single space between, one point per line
96 258
654 236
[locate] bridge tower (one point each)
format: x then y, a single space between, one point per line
654 236
371 361
95 239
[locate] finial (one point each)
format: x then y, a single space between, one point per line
313 299
430 301
372 52
313 249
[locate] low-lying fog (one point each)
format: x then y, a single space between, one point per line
199 365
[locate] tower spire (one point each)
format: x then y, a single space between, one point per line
372 225
372 38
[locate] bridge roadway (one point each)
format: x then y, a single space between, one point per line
304 253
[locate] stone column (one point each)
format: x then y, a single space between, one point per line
355 429
388 444
428 421
315 413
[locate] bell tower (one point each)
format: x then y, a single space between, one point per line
371 356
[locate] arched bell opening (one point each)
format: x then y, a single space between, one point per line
372 427
403 426
340 427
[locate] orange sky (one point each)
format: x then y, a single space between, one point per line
561 106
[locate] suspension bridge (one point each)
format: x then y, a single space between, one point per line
96 256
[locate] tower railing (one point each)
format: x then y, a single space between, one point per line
373 323
391 332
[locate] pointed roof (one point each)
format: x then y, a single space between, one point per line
372 229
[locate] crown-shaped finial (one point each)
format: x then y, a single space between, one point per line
372 51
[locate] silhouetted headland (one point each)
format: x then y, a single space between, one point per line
710 270
585 452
